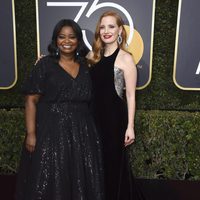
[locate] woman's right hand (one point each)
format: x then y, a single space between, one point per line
41 56
30 142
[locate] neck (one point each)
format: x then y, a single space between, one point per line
66 58
109 49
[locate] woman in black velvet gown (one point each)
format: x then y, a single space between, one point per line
112 69
61 157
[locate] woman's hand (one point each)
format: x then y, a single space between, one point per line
30 142
41 56
129 136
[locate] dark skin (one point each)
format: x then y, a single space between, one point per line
30 113
67 43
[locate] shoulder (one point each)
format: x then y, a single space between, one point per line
45 61
45 64
125 59
82 61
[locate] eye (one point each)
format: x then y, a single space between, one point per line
111 26
61 36
72 37
101 27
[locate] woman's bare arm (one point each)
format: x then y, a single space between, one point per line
30 118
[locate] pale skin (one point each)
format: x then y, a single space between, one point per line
125 62
67 43
109 31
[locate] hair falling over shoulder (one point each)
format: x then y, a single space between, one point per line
98 45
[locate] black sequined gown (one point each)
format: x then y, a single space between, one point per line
66 163
110 112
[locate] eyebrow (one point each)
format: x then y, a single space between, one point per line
70 34
108 24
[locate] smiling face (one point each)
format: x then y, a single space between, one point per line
67 41
109 30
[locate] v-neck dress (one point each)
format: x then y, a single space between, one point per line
111 116
66 163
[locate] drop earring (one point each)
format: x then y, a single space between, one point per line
57 52
119 39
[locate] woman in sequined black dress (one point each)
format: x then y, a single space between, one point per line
113 69
61 157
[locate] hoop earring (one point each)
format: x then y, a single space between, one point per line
119 39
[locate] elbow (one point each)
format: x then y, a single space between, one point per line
31 100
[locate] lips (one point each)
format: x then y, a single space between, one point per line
107 36
66 46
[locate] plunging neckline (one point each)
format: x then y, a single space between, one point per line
66 72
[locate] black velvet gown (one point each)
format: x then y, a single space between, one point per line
66 163
110 112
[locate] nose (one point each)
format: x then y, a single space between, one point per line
106 30
67 39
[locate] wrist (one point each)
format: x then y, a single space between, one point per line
130 126
30 133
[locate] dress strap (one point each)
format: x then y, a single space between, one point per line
113 55
116 52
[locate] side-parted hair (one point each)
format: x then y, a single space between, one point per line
81 50
98 45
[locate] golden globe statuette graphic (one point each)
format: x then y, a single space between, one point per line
136 46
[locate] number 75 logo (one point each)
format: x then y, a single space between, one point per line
137 53
137 14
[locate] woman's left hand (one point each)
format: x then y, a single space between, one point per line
129 136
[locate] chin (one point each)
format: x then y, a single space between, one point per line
109 42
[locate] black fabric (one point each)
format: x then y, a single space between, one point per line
110 112
66 163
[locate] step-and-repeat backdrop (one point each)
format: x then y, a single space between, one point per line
138 16
8 58
187 51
